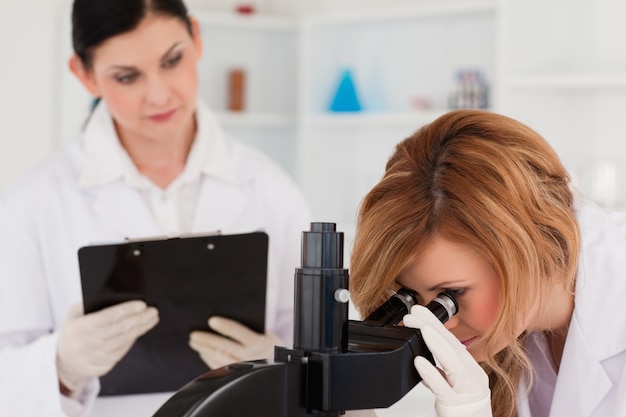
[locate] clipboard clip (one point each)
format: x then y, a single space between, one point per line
181 236
205 234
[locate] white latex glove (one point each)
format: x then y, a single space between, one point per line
237 343
90 345
463 389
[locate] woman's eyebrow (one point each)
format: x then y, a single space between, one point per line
132 68
444 284
121 67
170 50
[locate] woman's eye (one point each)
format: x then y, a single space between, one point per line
126 78
456 292
171 62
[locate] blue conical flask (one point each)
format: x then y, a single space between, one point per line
346 98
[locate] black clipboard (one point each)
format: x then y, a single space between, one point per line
188 279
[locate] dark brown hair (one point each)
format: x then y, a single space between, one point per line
95 21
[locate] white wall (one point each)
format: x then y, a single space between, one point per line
28 77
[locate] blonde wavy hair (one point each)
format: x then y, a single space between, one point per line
488 182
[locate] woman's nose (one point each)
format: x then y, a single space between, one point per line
158 92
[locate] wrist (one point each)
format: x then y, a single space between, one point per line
70 383
72 390
65 391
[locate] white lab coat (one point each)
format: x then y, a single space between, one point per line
592 376
45 217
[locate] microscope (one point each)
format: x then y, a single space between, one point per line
335 365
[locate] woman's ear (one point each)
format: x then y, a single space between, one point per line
84 75
197 36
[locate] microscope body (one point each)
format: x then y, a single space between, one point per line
335 365
375 372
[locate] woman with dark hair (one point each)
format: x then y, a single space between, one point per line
151 161
479 205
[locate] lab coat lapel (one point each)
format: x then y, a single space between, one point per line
582 382
222 201
220 206
123 211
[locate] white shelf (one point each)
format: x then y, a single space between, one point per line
365 119
249 119
426 10
244 21
570 81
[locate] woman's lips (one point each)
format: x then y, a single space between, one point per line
466 342
161 117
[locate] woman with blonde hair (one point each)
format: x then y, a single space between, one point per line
479 205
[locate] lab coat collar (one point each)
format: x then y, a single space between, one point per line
602 256
102 163
132 219
212 154
106 160
583 382
103 170
220 205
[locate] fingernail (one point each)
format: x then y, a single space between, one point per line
214 321
417 308
420 361
137 305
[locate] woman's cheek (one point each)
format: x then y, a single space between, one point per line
120 101
487 313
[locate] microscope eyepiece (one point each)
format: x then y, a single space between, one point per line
444 306
392 311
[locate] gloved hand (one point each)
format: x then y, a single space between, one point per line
90 345
235 343
464 390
